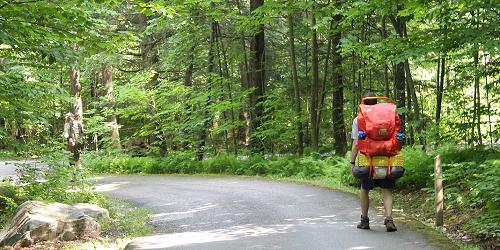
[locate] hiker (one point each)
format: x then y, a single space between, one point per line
368 182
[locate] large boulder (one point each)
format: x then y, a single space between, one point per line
35 221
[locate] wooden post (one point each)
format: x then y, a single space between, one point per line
438 187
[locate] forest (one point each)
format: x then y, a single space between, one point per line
255 87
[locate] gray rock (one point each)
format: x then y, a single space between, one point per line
93 210
35 221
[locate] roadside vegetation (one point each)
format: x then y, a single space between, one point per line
52 179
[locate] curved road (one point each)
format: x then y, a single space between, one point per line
246 213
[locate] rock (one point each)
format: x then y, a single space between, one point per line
93 210
35 221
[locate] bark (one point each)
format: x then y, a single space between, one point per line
75 143
386 68
188 74
477 99
439 92
107 81
258 73
323 83
339 131
314 85
399 72
296 88
244 132
412 96
2 130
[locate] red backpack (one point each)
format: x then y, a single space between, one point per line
380 123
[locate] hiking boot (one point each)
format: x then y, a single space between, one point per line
365 223
389 225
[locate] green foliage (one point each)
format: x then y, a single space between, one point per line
419 168
125 220
66 183
183 162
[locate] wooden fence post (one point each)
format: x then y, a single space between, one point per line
438 187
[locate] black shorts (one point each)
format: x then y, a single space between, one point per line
369 184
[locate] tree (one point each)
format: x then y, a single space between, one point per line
296 87
257 58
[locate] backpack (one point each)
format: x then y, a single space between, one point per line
378 127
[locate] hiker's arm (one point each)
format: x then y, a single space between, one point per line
354 151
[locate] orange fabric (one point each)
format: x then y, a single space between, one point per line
381 123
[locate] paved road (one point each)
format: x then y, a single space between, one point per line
245 213
8 168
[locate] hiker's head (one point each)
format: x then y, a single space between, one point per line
370 101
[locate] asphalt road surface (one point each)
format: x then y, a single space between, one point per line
247 213
8 168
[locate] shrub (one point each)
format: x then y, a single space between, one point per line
419 168
221 164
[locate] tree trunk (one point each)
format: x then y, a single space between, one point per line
203 133
386 68
412 96
477 98
399 72
439 93
75 144
258 72
339 131
322 94
244 131
314 84
2 130
107 81
296 88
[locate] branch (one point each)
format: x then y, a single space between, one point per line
129 71
5 4
41 25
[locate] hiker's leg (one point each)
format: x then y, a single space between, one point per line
366 186
365 201
387 193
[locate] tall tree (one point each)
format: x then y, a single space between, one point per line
315 82
339 131
296 87
74 120
107 81
257 58
399 71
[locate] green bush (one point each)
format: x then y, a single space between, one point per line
419 168
221 164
